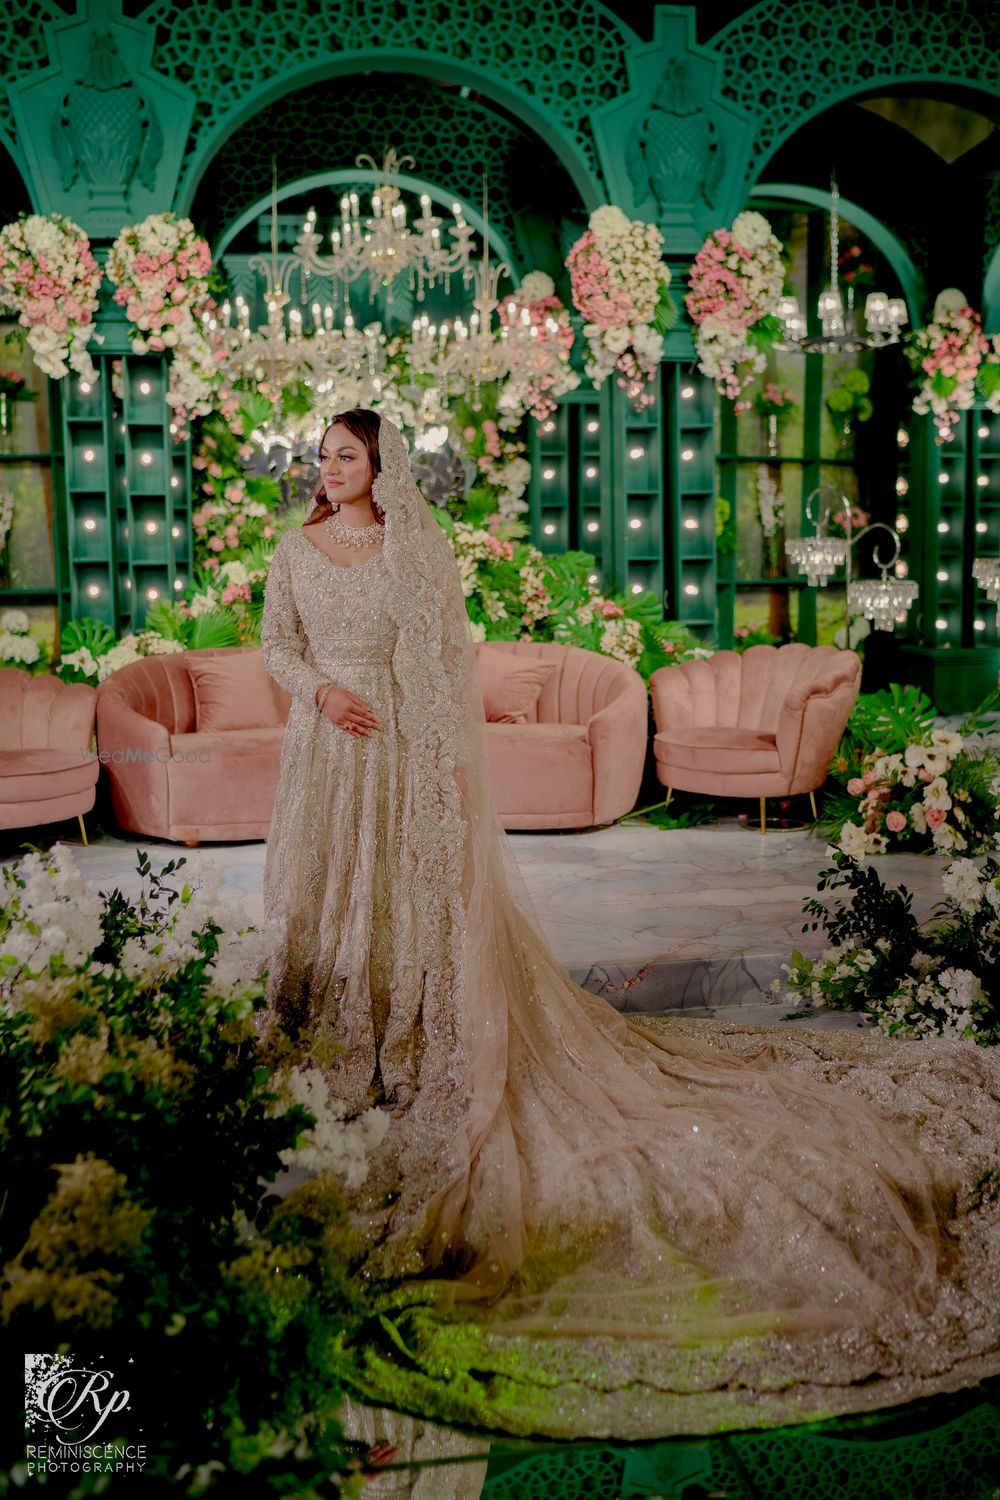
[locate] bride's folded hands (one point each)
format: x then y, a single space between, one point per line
348 711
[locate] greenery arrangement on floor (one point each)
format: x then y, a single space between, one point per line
143 1121
940 978
898 783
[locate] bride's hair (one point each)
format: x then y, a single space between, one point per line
361 423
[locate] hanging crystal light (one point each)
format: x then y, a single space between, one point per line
884 316
986 572
884 600
818 557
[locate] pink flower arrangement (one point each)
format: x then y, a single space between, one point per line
50 278
949 356
620 286
734 286
536 328
161 270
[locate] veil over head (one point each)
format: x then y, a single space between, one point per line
649 1233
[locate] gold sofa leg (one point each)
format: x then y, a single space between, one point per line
763 815
812 804
191 843
83 831
670 793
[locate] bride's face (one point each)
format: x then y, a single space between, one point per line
344 467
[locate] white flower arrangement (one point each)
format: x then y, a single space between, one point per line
51 279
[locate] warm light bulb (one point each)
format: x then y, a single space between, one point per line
691 589
151 527
690 524
175 531
152 593
635 523
89 455
85 387
93 589
902 523
979 625
591 577
636 452
982 526
637 588
178 584
549 530
902 485
146 459
90 524
942 575
942 478
175 483
982 480
943 527
592 526
548 473
144 387
984 432
902 437
593 426
591 471
687 392
128 583
941 624
687 454
549 427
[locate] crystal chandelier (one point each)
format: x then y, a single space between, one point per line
986 572
884 316
884 600
383 245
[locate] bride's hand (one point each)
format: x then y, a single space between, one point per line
349 712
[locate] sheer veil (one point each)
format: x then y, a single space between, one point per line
562 1174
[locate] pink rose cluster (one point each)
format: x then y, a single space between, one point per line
161 271
913 797
947 357
49 276
733 287
620 287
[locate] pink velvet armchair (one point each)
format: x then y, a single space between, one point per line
578 761
48 770
764 723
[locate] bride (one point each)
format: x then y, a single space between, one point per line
594 1226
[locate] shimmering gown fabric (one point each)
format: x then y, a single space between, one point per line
629 1228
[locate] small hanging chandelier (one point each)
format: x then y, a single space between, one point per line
884 316
986 572
884 600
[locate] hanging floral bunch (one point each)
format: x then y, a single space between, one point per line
163 274
734 286
50 278
536 325
620 286
951 357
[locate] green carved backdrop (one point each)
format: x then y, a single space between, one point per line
113 110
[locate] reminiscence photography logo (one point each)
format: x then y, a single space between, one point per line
80 1416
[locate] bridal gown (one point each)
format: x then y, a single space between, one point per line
597 1227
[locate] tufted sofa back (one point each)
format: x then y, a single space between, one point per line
44 713
745 690
583 683
160 688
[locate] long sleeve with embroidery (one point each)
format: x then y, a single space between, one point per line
283 640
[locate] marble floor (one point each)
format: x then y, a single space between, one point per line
655 920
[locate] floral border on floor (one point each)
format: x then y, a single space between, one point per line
941 978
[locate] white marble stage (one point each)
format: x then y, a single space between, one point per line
696 920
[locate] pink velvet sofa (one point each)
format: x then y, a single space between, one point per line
48 770
577 762
764 723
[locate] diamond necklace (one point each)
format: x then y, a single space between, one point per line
353 536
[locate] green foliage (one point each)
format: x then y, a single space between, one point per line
725 527
140 1137
849 401
666 313
83 634
891 719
